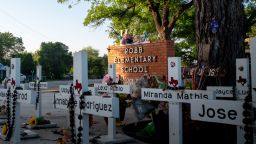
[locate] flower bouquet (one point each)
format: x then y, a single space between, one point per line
4 130
39 122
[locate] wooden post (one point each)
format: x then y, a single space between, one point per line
112 121
7 72
253 77
242 73
15 75
39 78
39 72
175 109
80 76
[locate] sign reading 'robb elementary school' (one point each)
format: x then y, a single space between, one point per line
136 60
175 95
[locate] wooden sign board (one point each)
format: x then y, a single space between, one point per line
222 91
183 96
219 111
43 85
102 106
125 89
227 91
95 105
24 96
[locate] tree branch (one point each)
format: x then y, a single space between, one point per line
251 20
166 13
174 18
122 13
155 13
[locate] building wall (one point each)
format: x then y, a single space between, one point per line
134 61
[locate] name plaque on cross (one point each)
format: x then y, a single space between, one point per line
95 105
220 111
43 85
183 96
125 89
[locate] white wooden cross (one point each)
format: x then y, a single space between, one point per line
226 111
253 77
175 99
24 96
42 85
242 81
80 83
108 107
112 90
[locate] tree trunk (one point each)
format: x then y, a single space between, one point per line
220 49
165 33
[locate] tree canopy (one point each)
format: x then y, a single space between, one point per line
137 15
163 19
55 59
9 46
27 63
96 65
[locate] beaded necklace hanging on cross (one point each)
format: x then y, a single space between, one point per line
80 117
71 106
38 92
10 124
248 119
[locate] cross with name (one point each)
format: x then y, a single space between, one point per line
38 85
253 78
204 106
175 98
95 105
42 85
24 96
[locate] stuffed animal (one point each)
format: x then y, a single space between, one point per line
142 108
136 87
126 38
107 79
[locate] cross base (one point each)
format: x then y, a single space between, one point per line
119 138
51 125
